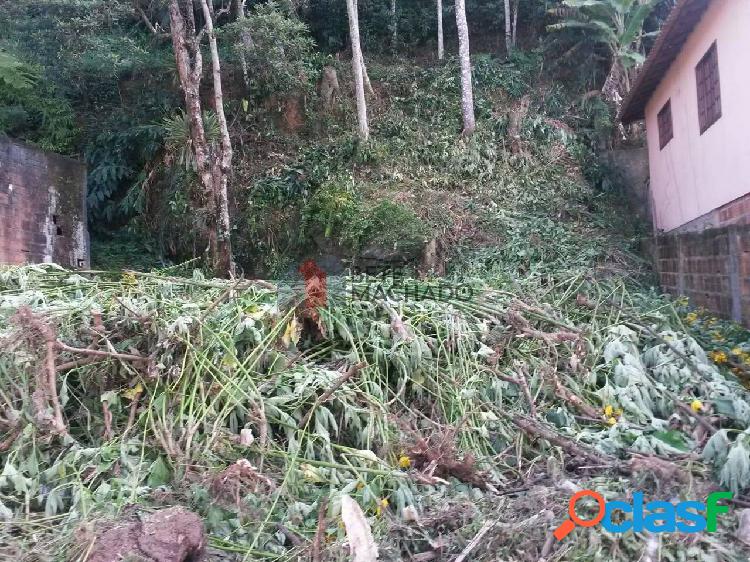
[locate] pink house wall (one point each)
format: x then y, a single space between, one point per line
694 174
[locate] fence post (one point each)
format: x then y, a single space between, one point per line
680 266
733 269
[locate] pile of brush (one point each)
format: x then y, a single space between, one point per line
428 428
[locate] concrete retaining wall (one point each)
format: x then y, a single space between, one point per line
42 207
711 267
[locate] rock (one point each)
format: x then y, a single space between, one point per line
743 528
169 535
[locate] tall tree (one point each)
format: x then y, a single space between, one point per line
441 48
467 94
222 160
213 163
508 30
358 69
394 26
245 41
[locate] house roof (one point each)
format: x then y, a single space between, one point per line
674 33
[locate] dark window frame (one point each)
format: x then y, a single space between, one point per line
708 87
664 124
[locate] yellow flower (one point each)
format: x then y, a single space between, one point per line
128 277
382 506
404 462
131 393
611 413
691 317
737 351
696 405
718 357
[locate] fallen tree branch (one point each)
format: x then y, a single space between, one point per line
320 532
98 352
524 385
515 319
353 370
47 381
488 525
689 411
571 398
535 428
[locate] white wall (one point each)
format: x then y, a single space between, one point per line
695 173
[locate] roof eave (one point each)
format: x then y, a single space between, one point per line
674 33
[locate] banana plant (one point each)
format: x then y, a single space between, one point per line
618 24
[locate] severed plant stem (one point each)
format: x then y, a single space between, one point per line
353 370
317 544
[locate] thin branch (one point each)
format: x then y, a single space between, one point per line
151 27
353 370
320 531
98 353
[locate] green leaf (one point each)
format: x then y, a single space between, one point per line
160 473
635 23
673 438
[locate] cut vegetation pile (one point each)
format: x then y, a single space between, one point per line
459 426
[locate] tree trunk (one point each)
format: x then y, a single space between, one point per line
357 68
611 88
515 22
441 48
394 26
223 160
245 41
366 77
467 95
611 91
212 169
508 29
189 69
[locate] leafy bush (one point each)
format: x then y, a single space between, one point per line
30 108
277 49
386 225
514 76
117 162
331 210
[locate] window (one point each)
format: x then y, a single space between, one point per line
664 122
709 94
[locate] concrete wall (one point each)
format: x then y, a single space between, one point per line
694 174
631 165
711 267
42 207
